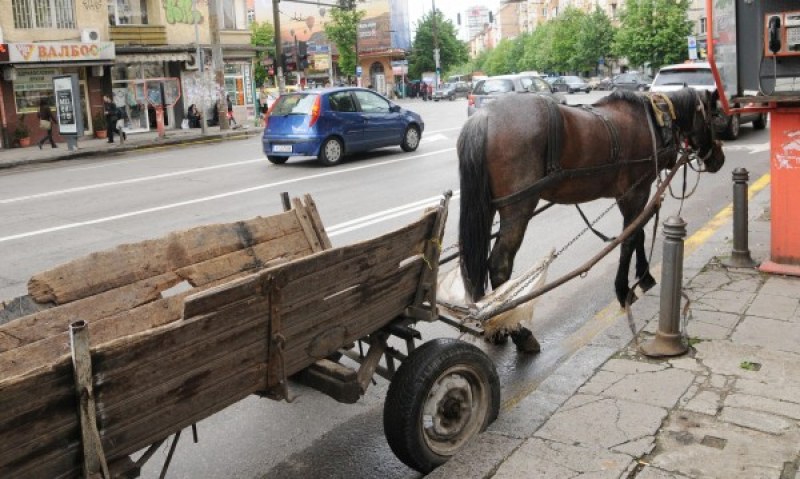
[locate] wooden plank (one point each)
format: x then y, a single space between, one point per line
128 263
316 222
304 218
50 322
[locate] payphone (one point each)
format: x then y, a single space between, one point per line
754 52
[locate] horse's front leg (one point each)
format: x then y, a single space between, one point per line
646 280
631 207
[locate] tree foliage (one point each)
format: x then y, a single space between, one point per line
653 32
262 35
342 30
452 51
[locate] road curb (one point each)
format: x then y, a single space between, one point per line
124 149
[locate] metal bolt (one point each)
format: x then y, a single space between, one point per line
668 340
740 256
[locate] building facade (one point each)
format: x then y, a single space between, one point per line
122 48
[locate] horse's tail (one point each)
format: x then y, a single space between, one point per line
475 221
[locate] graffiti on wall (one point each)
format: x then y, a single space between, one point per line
180 11
90 5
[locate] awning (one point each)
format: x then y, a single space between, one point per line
153 57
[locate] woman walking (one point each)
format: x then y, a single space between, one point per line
46 120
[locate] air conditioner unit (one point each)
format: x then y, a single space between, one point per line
90 35
193 63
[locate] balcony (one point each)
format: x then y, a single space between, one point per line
138 34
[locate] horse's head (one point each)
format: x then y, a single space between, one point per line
702 135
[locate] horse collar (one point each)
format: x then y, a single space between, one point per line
664 117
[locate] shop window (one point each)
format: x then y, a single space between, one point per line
127 12
43 13
234 15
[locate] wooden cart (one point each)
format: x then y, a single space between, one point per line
129 346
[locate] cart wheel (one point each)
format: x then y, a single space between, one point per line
443 395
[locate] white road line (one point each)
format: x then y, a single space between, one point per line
432 138
428 132
214 197
126 182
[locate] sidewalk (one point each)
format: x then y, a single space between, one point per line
90 146
730 408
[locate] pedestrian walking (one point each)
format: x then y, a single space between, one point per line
46 120
110 111
231 119
122 115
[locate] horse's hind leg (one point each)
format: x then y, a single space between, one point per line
513 223
646 280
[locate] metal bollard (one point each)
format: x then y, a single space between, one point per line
668 340
740 256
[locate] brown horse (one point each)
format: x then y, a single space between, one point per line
524 148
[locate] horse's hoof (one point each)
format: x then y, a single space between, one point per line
647 282
499 338
623 301
525 341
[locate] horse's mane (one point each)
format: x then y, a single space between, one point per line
683 101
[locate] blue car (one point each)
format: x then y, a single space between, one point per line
334 122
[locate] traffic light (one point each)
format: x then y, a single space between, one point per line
302 55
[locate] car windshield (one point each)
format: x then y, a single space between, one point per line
296 104
682 76
494 85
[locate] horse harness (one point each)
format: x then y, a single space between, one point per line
662 109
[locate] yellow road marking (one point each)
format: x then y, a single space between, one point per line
608 315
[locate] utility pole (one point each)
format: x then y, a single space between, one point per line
199 58
218 63
276 20
435 45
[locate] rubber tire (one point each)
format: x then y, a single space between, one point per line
733 128
641 88
323 155
761 122
411 387
277 160
405 145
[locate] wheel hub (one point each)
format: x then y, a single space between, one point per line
449 409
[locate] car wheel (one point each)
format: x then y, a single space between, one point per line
761 122
410 139
641 88
331 152
277 160
732 129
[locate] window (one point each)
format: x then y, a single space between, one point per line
127 12
234 16
703 24
372 103
297 104
43 13
342 101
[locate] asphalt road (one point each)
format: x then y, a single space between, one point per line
53 213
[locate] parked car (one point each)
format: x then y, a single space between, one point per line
699 77
486 91
631 81
603 84
334 122
451 91
571 84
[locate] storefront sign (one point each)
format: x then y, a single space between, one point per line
322 61
59 52
400 67
67 98
248 85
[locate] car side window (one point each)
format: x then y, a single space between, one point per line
541 85
342 101
372 103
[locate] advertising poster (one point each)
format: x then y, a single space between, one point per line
66 110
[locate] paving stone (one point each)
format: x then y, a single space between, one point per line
538 458
700 446
689 364
782 286
691 392
778 368
717 318
783 391
640 447
763 404
625 366
706 331
718 381
768 333
613 422
705 402
576 370
755 420
742 283
774 306
650 472
528 415
657 388
477 459
601 381
725 301
709 280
